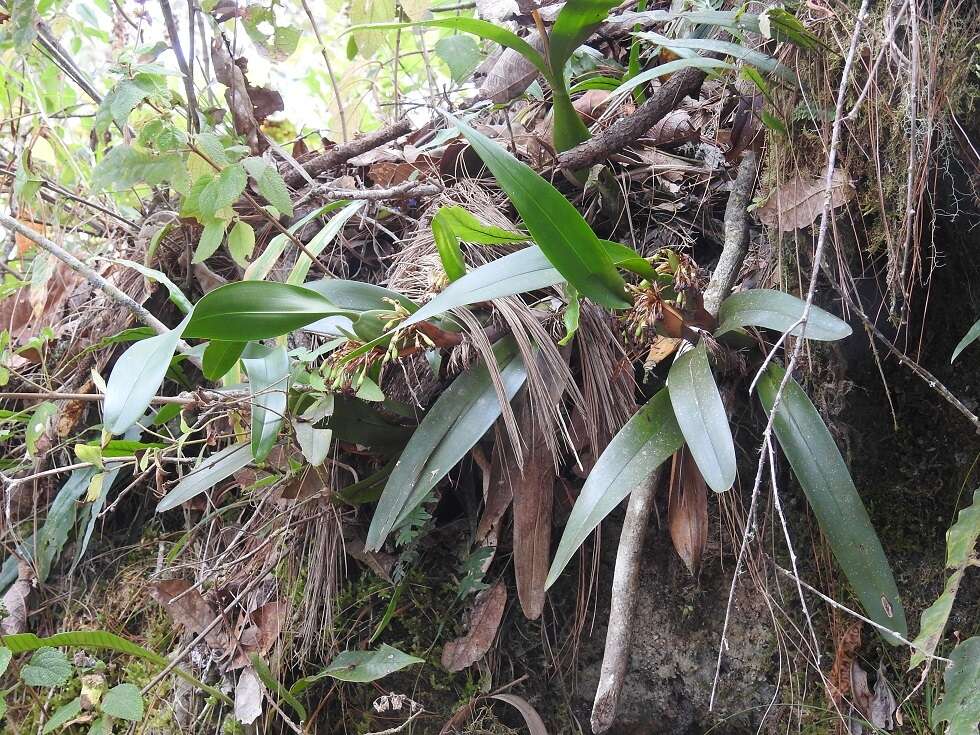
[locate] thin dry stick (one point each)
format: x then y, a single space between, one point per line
54 396
113 292
622 609
406 190
330 74
185 70
814 274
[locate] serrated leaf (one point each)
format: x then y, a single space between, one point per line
643 444
220 357
124 166
968 339
253 310
554 223
818 465
366 666
49 668
960 706
241 242
64 714
206 475
136 377
268 374
123 701
457 420
269 183
222 191
702 417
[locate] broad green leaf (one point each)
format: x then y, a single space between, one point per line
967 340
65 713
314 443
176 295
762 307
122 99
366 666
206 475
37 425
961 543
220 357
273 38
758 59
123 701
49 668
447 245
269 183
211 237
643 444
5 656
356 422
461 54
97 639
241 242
101 726
468 228
702 417
136 377
556 226
482 28
960 706
576 21
370 12
222 191
320 240
252 310
818 465
268 375
357 296
457 420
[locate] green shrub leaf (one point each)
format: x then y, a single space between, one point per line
64 714
763 307
818 465
49 667
269 183
643 444
702 417
457 420
960 706
123 701
967 340
365 666
252 310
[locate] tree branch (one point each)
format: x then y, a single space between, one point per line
341 153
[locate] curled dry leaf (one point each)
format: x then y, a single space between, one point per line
511 75
249 105
188 608
488 611
675 128
687 510
15 600
535 724
262 628
839 680
798 202
248 697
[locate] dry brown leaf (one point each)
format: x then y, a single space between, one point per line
378 562
589 105
661 348
188 608
23 242
488 611
687 511
799 201
839 680
675 128
497 492
883 705
15 600
249 693
262 629
249 105
511 75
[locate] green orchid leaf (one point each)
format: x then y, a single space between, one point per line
762 307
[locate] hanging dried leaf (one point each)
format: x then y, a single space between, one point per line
839 680
248 697
188 608
511 74
262 628
488 611
883 705
15 600
497 492
687 510
799 202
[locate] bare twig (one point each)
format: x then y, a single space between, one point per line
406 190
736 236
185 70
632 127
341 153
814 274
110 290
622 609
330 74
54 396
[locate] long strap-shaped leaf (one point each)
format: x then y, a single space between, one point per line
701 415
763 307
457 421
555 225
97 639
252 310
643 444
818 465
206 475
268 373
576 21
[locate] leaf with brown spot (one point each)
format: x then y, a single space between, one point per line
687 510
798 202
488 611
188 608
